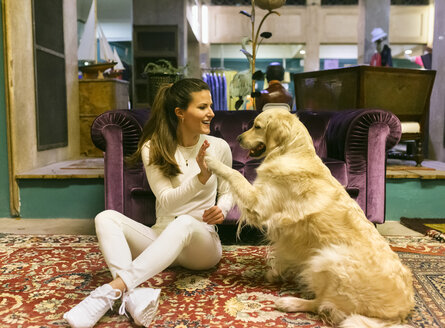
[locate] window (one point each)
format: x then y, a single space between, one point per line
49 55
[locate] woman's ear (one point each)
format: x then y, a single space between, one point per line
179 113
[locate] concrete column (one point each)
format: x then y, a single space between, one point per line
204 55
193 56
372 14
312 57
165 12
437 102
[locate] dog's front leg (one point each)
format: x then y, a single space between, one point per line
243 190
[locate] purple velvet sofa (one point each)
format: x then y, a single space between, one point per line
352 144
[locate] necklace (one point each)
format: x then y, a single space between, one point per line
190 152
187 153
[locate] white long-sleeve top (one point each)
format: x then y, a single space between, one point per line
185 194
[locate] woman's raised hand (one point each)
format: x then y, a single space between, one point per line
205 173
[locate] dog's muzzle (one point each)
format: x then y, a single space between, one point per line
258 150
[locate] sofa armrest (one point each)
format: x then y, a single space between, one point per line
361 138
117 133
130 122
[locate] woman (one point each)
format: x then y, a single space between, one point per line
172 148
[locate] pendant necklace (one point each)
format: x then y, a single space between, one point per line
187 153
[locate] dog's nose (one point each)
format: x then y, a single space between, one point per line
239 138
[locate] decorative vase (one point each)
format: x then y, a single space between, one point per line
270 4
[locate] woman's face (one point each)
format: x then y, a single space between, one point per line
196 119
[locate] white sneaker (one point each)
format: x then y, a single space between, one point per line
142 304
91 309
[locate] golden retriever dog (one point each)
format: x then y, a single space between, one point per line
318 234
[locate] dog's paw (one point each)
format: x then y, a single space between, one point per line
286 304
212 162
217 167
294 304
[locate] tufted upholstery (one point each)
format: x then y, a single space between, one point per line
352 144
117 133
356 143
224 126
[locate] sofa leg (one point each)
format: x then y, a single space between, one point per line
418 157
414 152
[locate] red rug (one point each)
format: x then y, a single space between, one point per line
44 276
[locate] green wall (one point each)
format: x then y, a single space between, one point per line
4 177
61 198
415 198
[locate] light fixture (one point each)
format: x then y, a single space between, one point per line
302 52
408 52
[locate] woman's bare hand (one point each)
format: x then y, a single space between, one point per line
205 173
213 215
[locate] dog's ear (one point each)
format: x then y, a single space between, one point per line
279 129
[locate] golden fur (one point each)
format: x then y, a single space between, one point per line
318 234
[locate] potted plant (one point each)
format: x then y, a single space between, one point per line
159 73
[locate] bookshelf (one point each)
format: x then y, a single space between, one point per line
151 43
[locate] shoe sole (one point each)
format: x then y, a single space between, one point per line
148 313
73 323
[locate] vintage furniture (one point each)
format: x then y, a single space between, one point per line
404 92
96 96
352 144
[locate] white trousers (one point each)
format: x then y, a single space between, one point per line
135 252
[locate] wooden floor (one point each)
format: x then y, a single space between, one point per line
408 172
430 170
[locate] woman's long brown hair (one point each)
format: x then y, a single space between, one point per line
161 128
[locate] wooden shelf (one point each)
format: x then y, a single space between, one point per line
151 43
86 168
413 172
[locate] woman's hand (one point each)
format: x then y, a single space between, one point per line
205 173
213 215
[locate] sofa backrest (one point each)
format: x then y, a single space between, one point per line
317 125
228 125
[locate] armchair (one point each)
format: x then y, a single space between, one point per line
352 144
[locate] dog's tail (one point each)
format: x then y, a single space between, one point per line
359 321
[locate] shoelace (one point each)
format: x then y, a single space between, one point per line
122 307
110 295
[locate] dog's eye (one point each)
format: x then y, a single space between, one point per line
257 127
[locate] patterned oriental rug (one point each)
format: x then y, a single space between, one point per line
44 276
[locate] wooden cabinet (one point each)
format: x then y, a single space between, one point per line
96 97
404 92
